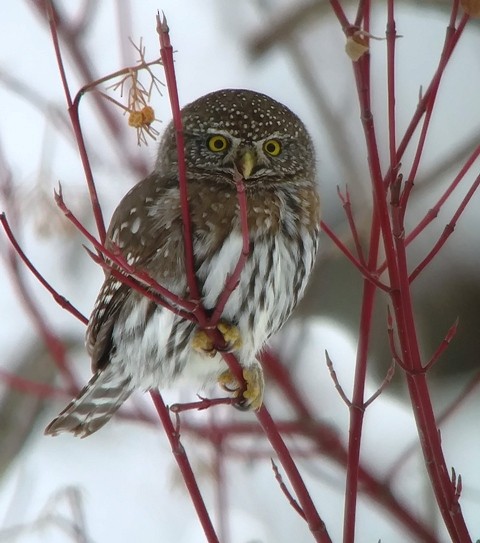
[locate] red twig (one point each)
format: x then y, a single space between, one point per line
394 247
391 341
386 381
315 523
125 267
73 39
448 230
182 460
392 125
451 40
461 398
203 403
329 443
347 206
73 111
368 275
335 380
232 282
357 401
59 299
342 18
138 285
286 492
52 342
443 346
166 52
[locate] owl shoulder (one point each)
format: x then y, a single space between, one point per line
147 214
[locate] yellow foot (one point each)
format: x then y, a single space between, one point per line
253 395
202 343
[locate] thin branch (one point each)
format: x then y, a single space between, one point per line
315 523
83 62
166 51
138 285
291 500
203 403
118 259
384 384
232 282
183 463
446 414
443 345
347 206
391 340
75 120
391 33
448 230
343 248
334 377
59 299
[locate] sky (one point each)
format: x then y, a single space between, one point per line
126 475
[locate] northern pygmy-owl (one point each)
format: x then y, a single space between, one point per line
135 343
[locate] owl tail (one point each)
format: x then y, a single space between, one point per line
94 405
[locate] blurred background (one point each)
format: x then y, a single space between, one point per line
121 484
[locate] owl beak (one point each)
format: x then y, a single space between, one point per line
246 163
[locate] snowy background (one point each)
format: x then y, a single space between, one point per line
125 478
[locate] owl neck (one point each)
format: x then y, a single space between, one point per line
270 211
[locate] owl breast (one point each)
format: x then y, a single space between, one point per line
153 344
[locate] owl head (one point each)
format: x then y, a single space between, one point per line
239 130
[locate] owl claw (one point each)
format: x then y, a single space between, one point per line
252 395
231 335
202 342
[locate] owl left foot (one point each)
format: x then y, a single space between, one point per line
253 394
202 343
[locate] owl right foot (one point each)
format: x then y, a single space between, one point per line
202 343
253 393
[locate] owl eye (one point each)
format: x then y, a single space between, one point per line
272 147
217 143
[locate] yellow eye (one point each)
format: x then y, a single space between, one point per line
272 147
217 143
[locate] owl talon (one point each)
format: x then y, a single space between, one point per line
202 342
252 395
231 335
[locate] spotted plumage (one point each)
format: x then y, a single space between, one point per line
134 343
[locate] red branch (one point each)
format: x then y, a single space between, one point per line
73 111
392 232
126 268
387 225
443 346
316 525
347 206
448 230
232 282
286 492
182 460
59 299
166 52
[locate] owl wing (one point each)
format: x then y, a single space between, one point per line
142 224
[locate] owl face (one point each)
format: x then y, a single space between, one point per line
240 130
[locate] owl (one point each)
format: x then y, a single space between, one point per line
135 343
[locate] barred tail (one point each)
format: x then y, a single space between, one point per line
95 404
